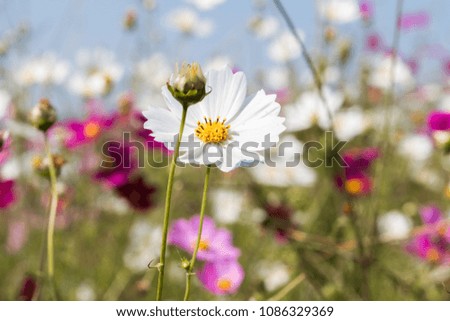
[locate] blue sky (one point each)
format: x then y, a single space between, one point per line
65 26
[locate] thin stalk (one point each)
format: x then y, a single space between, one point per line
162 258
306 56
288 288
199 235
385 140
51 220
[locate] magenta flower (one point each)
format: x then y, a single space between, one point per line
7 193
27 289
439 120
116 170
215 245
431 242
279 219
366 9
78 133
138 193
355 179
221 278
414 20
5 142
374 42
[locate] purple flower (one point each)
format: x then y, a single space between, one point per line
439 120
27 289
366 9
221 277
118 168
431 241
138 193
279 218
215 244
7 194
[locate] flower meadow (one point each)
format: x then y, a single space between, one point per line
224 150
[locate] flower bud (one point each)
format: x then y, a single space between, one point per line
345 50
129 22
43 115
329 34
188 85
42 165
185 264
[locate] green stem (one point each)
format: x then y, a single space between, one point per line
51 220
167 207
199 235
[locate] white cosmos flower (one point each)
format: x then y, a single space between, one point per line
310 109
416 147
285 47
218 127
339 11
189 23
47 69
273 274
206 4
263 27
350 123
394 225
381 75
227 205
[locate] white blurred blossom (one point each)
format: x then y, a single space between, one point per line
339 11
154 70
350 123
97 73
285 47
276 77
273 274
381 75
310 109
46 69
85 292
218 62
143 246
263 27
227 205
188 22
416 147
394 225
205 4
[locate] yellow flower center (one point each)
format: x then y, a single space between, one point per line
91 129
212 131
224 284
202 246
432 254
353 186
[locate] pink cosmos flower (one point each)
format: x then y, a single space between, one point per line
355 179
28 288
374 42
414 20
366 9
431 242
7 193
5 142
439 120
215 245
17 236
221 278
118 166
81 132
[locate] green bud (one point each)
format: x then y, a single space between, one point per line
185 264
41 165
188 85
43 115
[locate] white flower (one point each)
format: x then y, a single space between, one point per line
350 123
310 109
153 71
85 292
277 77
285 47
224 129
189 23
381 75
416 147
97 74
282 171
273 274
5 100
145 240
263 27
339 11
47 69
394 225
206 4
227 205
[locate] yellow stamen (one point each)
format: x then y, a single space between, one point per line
354 186
224 284
432 254
212 131
91 129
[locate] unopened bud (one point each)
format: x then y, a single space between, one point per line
125 103
188 85
329 34
42 165
185 264
43 115
345 50
129 22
